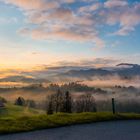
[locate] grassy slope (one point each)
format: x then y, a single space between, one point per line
11 111
19 119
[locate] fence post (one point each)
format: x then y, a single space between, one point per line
113 105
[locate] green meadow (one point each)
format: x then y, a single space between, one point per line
14 119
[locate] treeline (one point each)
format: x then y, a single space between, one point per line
64 102
73 86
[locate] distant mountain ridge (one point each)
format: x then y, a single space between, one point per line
127 64
68 73
18 78
122 70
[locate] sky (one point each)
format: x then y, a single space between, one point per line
56 32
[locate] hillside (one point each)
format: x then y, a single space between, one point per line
122 70
17 111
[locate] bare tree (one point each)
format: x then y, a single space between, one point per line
68 102
50 105
86 103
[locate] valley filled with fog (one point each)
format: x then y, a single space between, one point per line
120 82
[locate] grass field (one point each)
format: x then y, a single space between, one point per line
11 111
15 119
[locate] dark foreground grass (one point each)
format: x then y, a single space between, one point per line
37 122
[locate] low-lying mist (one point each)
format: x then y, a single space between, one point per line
111 81
125 90
127 98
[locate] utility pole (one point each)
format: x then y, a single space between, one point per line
113 105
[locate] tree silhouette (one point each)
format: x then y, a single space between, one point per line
86 103
50 106
20 101
68 102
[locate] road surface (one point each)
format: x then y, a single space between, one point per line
118 130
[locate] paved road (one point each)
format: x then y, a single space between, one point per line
120 130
